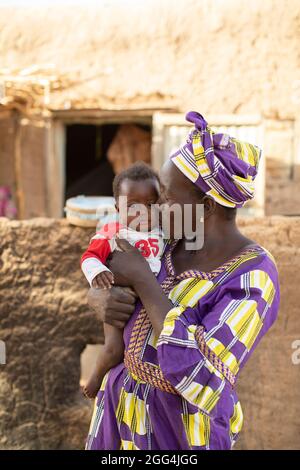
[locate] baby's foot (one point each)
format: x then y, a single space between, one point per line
92 387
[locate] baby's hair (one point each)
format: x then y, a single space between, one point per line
139 171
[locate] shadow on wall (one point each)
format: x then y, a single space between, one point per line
46 325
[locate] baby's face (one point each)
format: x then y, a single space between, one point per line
136 207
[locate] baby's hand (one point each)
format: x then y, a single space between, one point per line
103 280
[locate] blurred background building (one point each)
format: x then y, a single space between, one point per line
87 90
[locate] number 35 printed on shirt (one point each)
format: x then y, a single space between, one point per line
148 247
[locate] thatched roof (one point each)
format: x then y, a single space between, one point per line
220 57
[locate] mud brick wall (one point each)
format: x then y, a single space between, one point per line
152 57
282 179
45 323
154 54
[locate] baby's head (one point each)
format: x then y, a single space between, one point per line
140 185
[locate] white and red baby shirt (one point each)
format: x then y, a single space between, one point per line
150 244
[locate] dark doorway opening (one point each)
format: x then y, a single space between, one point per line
88 170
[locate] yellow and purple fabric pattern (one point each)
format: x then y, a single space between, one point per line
178 391
223 167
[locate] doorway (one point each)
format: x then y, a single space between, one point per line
96 152
86 151
88 170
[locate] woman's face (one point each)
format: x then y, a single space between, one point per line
178 191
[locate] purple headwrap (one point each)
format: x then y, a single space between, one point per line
221 166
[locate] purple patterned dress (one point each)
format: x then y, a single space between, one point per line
177 392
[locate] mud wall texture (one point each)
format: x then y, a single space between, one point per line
219 57
45 323
234 57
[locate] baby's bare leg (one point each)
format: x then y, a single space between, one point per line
111 355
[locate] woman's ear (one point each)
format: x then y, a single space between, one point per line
210 206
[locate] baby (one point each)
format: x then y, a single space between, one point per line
138 186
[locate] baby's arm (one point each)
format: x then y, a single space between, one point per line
93 262
103 280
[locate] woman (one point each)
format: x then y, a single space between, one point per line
201 318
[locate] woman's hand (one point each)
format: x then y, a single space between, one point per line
114 306
128 265
130 268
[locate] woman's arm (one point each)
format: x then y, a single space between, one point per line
202 354
153 298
